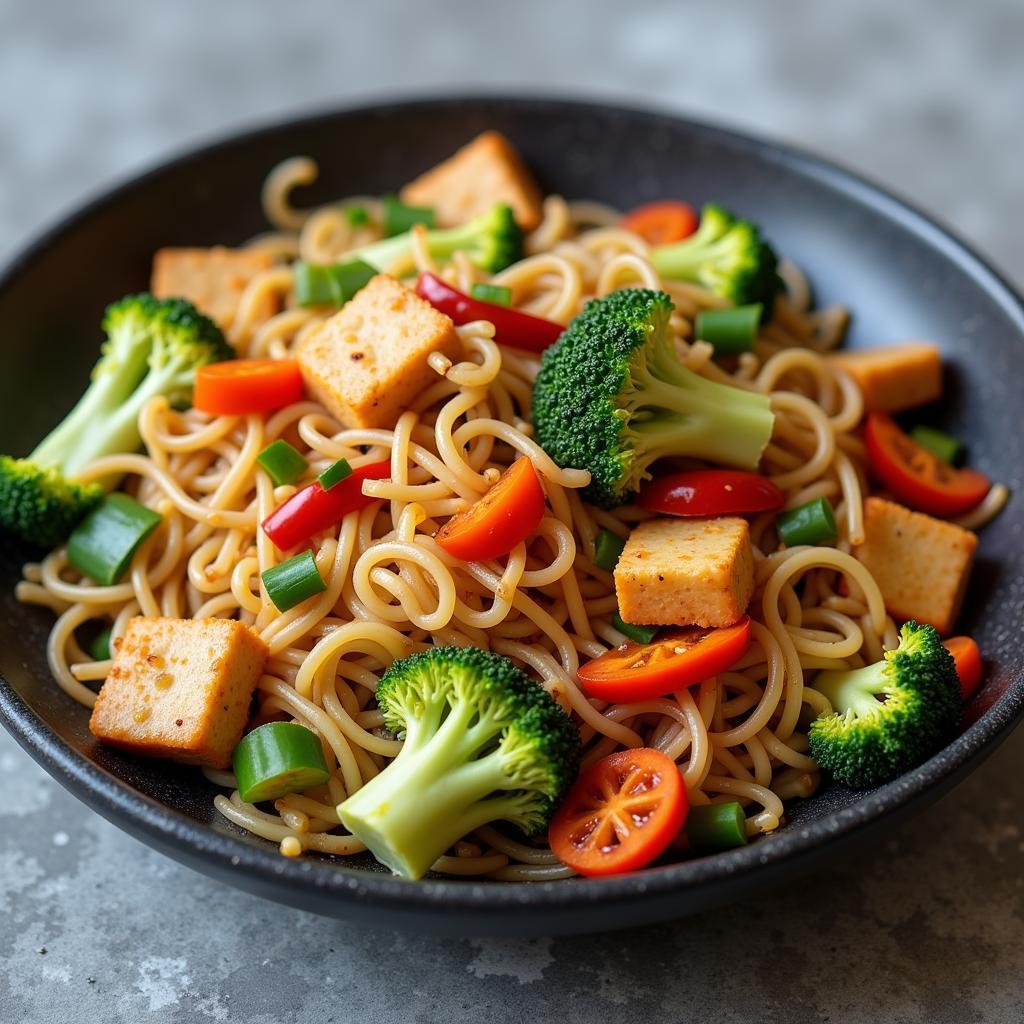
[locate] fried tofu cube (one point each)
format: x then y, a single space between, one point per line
921 564
180 688
686 572
368 362
894 377
211 279
484 172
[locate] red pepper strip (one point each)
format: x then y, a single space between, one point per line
313 510
511 327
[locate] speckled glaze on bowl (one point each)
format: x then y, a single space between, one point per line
902 275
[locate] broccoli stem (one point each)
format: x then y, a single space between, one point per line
435 792
854 690
394 255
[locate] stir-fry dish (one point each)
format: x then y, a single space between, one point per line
503 535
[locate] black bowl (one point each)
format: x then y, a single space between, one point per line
902 275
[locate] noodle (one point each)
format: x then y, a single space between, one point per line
391 590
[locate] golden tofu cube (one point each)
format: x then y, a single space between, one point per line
686 572
368 362
894 377
211 279
180 688
921 564
484 172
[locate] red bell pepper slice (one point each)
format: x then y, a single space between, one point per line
313 510
511 327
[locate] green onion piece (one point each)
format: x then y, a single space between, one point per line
812 523
641 634
607 548
497 294
399 218
99 649
730 331
278 758
357 216
941 445
334 474
293 581
714 827
329 284
102 544
283 463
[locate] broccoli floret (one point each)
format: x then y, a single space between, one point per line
726 255
153 347
889 716
482 743
612 396
492 241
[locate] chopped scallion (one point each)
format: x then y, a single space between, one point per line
334 474
607 548
399 218
99 648
293 581
811 523
278 758
941 445
714 827
498 294
282 462
641 634
729 331
329 284
357 216
102 544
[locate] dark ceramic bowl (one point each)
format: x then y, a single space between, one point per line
902 275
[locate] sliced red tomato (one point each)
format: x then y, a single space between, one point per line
662 222
711 492
508 513
915 475
236 387
967 656
682 657
620 814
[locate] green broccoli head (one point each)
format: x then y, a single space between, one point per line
612 397
482 743
153 347
492 241
890 716
726 255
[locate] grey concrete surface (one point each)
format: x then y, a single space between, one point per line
926 96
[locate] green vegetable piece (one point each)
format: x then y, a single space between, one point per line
943 446
398 218
889 716
498 294
641 634
334 474
607 549
102 544
284 465
99 648
811 523
330 284
293 581
730 331
278 758
714 827
357 216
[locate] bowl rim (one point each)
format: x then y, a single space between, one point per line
225 853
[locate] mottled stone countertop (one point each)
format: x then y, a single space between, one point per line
925 96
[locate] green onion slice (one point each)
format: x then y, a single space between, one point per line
99 648
293 581
284 465
714 827
498 294
641 634
941 445
278 758
730 331
812 523
398 218
334 474
329 284
357 216
607 548
102 544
